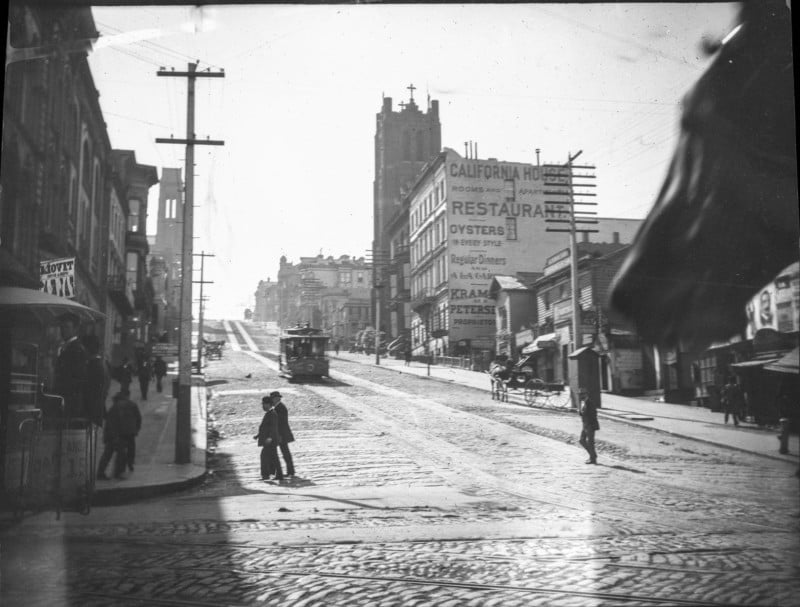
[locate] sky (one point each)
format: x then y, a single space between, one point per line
303 83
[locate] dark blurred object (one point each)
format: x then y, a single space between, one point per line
726 219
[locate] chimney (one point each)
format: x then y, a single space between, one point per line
387 104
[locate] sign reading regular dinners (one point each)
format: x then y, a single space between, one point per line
496 225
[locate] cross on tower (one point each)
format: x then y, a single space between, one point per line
412 88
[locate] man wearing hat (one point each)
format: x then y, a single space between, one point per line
284 431
71 364
123 422
588 412
268 439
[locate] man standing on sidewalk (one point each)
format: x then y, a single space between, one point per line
160 369
588 411
70 371
732 400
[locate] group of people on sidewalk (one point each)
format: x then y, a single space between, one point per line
274 433
83 380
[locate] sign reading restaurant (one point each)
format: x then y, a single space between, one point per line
57 276
496 215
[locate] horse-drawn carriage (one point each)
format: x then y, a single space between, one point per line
213 349
507 376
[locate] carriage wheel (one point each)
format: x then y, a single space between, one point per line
533 391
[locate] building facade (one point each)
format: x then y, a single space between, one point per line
624 365
327 292
267 305
405 141
165 256
138 179
471 219
515 312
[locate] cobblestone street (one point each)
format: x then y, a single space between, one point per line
414 492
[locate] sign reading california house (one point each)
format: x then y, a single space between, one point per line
495 225
58 276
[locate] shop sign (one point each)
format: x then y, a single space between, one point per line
523 337
562 310
776 306
556 262
160 349
67 473
57 276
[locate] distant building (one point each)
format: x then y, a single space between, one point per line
624 363
165 255
515 311
397 285
137 179
326 292
405 141
267 308
472 219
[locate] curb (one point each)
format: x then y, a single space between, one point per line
127 495
599 411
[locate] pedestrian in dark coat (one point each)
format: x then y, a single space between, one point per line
408 357
122 424
97 381
125 376
130 423
284 431
732 400
268 439
160 370
70 371
588 411
144 377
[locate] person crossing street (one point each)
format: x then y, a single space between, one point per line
588 412
284 431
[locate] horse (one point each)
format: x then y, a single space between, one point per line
725 221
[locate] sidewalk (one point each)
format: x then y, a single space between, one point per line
696 423
155 471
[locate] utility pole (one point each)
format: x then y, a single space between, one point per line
202 282
565 183
183 426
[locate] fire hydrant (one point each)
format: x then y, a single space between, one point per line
783 437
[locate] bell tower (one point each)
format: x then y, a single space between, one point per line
405 141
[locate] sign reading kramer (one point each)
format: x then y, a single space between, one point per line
58 276
495 225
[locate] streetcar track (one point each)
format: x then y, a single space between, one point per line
607 559
415 581
336 394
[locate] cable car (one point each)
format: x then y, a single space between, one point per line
302 353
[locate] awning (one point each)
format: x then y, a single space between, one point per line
580 351
788 364
549 340
44 306
754 364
